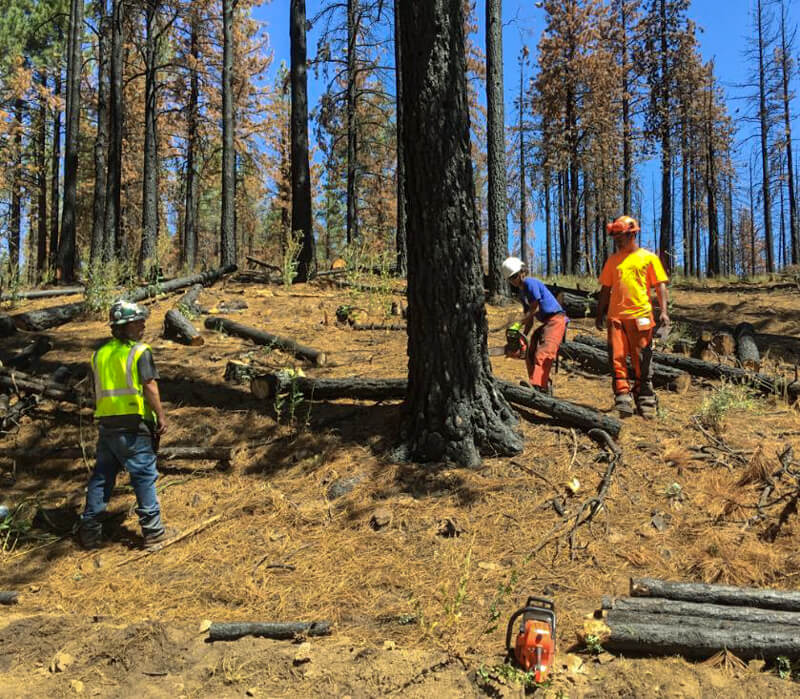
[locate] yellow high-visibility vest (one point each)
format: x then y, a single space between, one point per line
117 387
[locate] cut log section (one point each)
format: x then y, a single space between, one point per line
278 630
656 606
723 343
8 597
618 617
260 337
595 358
702 347
267 386
767 385
239 372
177 327
765 598
693 642
746 348
577 306
58 315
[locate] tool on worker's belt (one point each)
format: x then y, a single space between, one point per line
535 645
516 343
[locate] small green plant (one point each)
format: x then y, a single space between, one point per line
783 666
14 527
509 674
722 400
290 400
503 590
452 606
674 491
593 644
290 258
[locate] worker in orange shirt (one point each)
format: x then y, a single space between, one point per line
627 280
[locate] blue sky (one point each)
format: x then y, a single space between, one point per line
725 27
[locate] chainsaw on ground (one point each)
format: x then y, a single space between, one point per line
535 645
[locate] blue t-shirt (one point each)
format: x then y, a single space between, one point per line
534 290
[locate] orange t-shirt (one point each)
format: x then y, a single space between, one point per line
631 276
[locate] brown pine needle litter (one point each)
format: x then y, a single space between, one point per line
452 560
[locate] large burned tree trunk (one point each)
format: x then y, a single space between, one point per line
453 410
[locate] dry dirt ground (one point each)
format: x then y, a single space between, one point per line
419 604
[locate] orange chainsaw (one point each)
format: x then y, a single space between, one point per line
535 646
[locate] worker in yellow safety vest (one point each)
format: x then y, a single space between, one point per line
131 419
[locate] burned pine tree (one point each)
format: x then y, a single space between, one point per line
454 410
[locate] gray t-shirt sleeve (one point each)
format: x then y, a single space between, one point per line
147 367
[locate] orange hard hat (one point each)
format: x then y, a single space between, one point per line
623 225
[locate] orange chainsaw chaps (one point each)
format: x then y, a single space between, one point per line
535 648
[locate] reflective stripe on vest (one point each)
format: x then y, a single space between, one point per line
118 389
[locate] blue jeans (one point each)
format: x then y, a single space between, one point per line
133 452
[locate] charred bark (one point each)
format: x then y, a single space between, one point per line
227 226
179 328
764 598
301 174
220 631
746 348
453 409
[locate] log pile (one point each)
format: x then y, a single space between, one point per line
697 620
267 386
768 385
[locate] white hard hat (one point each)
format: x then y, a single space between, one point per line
511 266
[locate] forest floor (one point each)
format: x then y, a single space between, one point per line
419 605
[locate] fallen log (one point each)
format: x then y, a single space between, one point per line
261 337
378 326
656 606
765 598
342 283
265 265
9 597
267 386
58 315
691 641
767 385
177 327
7 325
188 302
595 358
43 293
617 617
577 306
40 346
561 411
239 372
723 343
287 630
14 414
746 348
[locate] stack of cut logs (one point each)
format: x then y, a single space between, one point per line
696 620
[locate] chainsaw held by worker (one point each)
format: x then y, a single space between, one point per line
516 346
535 645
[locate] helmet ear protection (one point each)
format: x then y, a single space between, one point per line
623 225
124 312
511 266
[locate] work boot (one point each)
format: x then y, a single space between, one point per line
153 542
647 406
90 538
623 403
